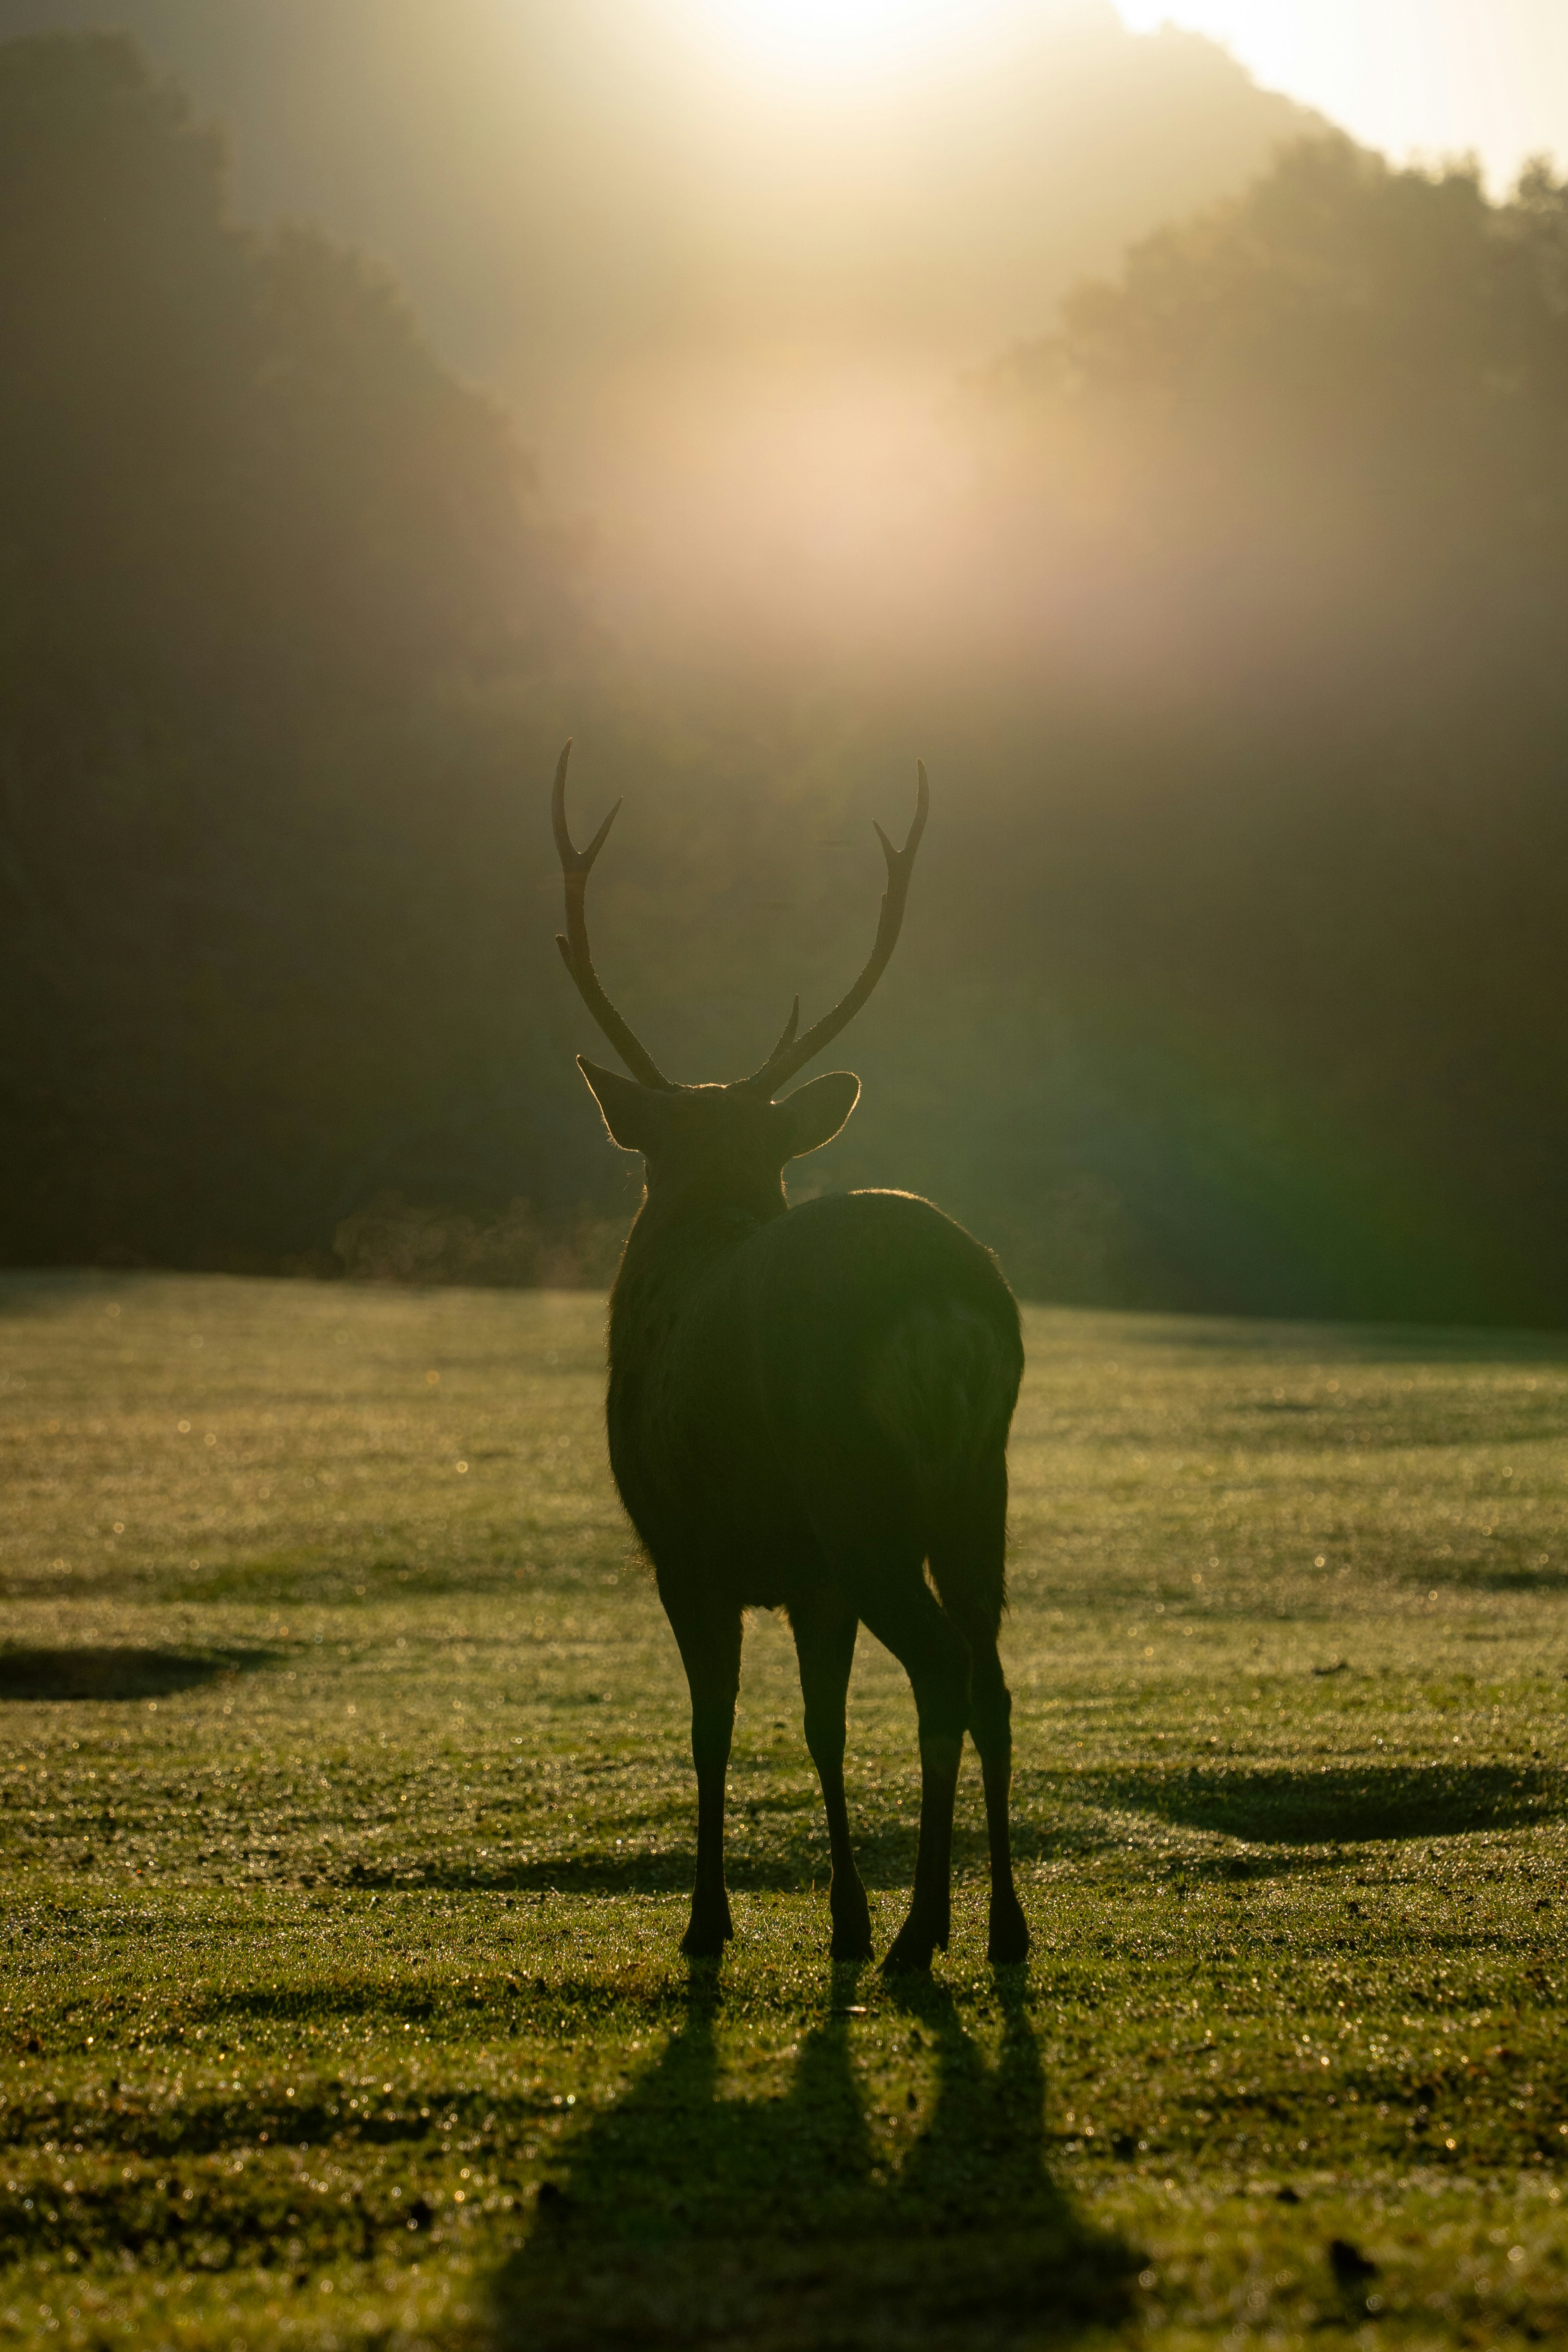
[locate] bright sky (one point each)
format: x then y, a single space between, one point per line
1418 79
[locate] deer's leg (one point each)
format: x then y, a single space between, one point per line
933 1653
991 1727
968 1575
825 1630
709 1634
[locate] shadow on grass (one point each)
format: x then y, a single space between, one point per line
1513 1575
1372 1344
690 2217
790 1861
116 1674
1342 1804
578 1873
1268 1806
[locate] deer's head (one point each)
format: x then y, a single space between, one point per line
728 1143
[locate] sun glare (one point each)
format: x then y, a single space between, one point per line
847 40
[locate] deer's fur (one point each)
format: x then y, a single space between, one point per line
807 1408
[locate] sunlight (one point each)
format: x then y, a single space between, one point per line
1417 77
827 41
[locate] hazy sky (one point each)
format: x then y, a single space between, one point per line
727 258
1417 78
1413 77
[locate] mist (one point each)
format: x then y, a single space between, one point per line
1180 481
728 303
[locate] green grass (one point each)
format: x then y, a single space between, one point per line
347 1824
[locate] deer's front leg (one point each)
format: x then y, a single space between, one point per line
825 1630
709 1634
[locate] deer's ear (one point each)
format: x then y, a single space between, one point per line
813 1115
633 1113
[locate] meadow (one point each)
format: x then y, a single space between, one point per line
347 1823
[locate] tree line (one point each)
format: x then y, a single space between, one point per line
1236 977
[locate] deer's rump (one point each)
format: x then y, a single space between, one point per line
837 1387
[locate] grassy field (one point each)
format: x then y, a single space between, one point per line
347 1824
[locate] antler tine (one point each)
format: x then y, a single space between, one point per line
576 865
790 1025
792 1053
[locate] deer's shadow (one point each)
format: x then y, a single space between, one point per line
690 2216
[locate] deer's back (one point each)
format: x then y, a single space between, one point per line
855 1360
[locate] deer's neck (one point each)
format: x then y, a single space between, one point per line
672 1246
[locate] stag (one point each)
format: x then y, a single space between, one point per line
808 1407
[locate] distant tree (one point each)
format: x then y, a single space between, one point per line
250 526
1348 382
227 463
1273 578
1339 296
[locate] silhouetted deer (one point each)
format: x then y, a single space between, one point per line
806 1406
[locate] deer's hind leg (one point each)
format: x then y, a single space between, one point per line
903 1614
825 1627
707 1632
968 1569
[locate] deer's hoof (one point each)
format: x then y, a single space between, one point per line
1009 1938
709 1933
851 1944
850 1914
910 1953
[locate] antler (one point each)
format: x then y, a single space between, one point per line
792 1053
576 865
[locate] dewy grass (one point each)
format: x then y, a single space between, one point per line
347 1820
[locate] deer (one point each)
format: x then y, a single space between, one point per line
807 1410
